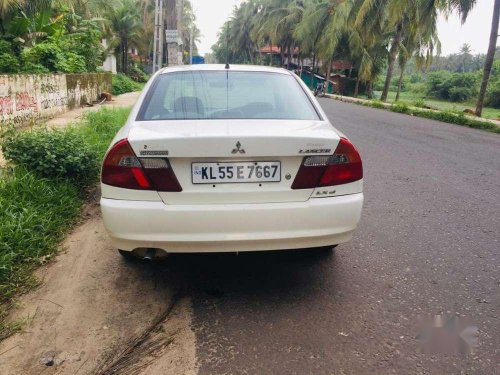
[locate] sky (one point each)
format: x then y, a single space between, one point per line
211 15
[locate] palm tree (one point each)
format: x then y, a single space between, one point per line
240 38
311 34
125 22
419 41
489 57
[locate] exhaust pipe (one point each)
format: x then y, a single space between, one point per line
150 254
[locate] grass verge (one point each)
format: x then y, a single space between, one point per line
456 118
36 212
444 116
440 105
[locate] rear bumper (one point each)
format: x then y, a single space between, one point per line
231 227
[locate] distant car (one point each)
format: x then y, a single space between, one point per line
218 158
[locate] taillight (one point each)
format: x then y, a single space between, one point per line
122 168
342 167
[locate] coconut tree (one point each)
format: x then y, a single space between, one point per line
311 30
419 41
240 36
276 21
125 22
489 57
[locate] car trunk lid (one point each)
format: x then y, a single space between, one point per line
185 142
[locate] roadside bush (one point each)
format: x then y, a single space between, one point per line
415 78
400 107
54 154
123 84
420 103
457 118
70 62
418 88
86 43
460 94
435 82
453 86
34 68
493 97
378 84
46 54
49 56
9 63
137 74
377 104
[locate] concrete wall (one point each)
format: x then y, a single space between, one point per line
26 98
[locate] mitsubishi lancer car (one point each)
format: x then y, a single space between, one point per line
229 158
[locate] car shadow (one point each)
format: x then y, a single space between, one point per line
248 275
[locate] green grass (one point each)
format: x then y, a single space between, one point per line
99 128
441 105
444 116
36 213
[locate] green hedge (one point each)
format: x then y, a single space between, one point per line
41 194
54 154
123 84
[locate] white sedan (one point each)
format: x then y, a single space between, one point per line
218 158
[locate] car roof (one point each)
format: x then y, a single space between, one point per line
222 67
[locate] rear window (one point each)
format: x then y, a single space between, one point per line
226 95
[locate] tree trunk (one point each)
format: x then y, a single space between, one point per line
356 88
369 90
125 56
271 54
250 54
312 71
400 82
282 56
328 72
392 59
288 61
122 57
489 58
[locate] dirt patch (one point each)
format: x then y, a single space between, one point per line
167 348
90 307
124 100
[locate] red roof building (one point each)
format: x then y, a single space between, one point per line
341 65
276 50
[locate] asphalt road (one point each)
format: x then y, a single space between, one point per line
428 243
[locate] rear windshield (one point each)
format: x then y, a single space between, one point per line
226 95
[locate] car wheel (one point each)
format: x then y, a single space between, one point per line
127 255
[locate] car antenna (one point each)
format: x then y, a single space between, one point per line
227 66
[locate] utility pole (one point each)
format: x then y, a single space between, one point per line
172 47
190 45
158 36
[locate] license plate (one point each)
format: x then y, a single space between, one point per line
236 172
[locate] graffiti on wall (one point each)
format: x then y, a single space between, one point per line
27 98
6 105
25 101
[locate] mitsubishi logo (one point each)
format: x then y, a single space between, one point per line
238 149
